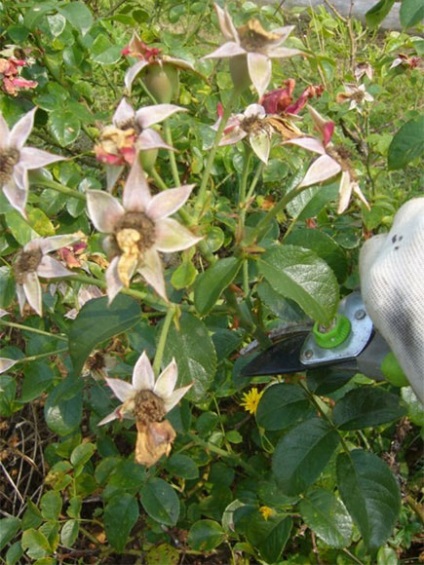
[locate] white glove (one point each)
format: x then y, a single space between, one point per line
392 284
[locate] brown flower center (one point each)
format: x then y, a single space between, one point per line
254 38
26 262
342 155
148 407
135 229
8 159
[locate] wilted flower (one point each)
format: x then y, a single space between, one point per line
331 162
405 61
130 133
160 71
250 49
280 101
147 401
363 69
33 262
139 229
16 160
250 400
357 95
10 76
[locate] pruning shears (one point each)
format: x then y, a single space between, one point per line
351 344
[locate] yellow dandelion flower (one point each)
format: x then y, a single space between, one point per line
251 400
266 512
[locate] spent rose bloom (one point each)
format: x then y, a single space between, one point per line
253 47
330 163
280 101
16 160
10 76
148 400
138 230
33 262
357 95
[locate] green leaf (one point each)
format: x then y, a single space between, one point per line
7 287
182 466
160 501
51 505
7 395
205 535
302 454
57 24
97 322
78 15
36 13
281 406
378 12
311 201
327 516
184 275
121 513
63 408
19 228
370 493
299 274
192 347
210 284
411 12
82 454
104 52
365 407
40 222
35 543
38 377
9 527
64 126
69 533
161 554
407 144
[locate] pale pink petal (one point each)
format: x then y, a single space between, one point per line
358 192
283 52
176 396
32 158
261 145
230 49
179 63
345 192
260 69
151 271
143 376
32 289
4 132
172 236
21 130
6 364
110 417
104 210
150 139
49 268
283 32
20 176
113 282
112 175
21 297
166 203
309 143
233 136
136 196
325 167
226 24
17 197
57 242
150 115
121 389
254 111
124 113
166 381
133 72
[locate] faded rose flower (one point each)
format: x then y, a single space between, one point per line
16 160
138 230
33 262
357 95
280 101
250 49
12 82
363 69
406 61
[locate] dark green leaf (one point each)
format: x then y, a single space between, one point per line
184 275
51 505
299 274
205 535
378 12
160 501
97 322
18 227
104 52
182 466
312 200
327 516
64 126
210 284
407 144
281 406
191 346
63 408
82 454
7 287
302 454
121 513
8 529
78 15
370 493
364 407
38 377
7 395
411 12
35 14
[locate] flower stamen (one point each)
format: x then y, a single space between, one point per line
9 157
26 262
148 407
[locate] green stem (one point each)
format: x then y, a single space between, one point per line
245 174
61 188
33 330
201 196
172 160
41 355
162 339
159 180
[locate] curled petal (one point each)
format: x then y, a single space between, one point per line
21 298
17 197
261 145
32 158
283 32
325 167
150 115
21 130
121 389
136 196
4 132
57 242
150 139
49 268
32 289
260 69
124 113
110 417
309 143
6 364
172 236
143 377
176 396
104 210
230 49
283 53
151 271
345 192
166 203
133 72
114 283
166 381
226 24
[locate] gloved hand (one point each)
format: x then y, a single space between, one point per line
392 286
